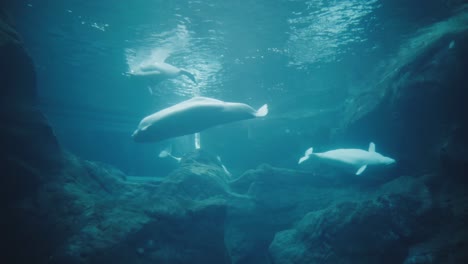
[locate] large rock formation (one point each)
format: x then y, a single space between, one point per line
109 218
18 76
29 152
377 229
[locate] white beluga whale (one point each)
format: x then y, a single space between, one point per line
161 71
193 116
157 69
357 158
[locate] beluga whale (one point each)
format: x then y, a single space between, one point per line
356 158
161 71
156 69
193 116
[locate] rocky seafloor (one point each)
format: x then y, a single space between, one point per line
59 208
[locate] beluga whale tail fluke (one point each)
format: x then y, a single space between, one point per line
355 158
262 111
307 154
190 75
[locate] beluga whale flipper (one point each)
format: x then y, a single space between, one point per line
167 152
193 116
159 70
357 158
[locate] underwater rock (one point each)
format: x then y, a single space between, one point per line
276 197
26 138
449 242
109 219
280 197
17 73
449 246
370 231
26 134
29 156
454 154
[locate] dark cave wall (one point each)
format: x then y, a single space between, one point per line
29 152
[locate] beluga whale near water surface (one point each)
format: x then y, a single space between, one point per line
158 69
193 116
356 158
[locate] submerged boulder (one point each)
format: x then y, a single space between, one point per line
377 228
110 219
278 198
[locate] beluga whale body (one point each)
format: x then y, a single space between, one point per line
193 116
357 158
158 69
161 71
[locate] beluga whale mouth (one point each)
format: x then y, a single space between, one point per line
193 116
356 158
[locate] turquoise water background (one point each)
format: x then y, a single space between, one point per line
303 58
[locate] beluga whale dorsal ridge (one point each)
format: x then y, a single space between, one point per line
193 116
356 158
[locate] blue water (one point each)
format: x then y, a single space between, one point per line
300 57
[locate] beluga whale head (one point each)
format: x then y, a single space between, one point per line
387 161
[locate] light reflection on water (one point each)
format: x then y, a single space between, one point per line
237 50
320 33
184 51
